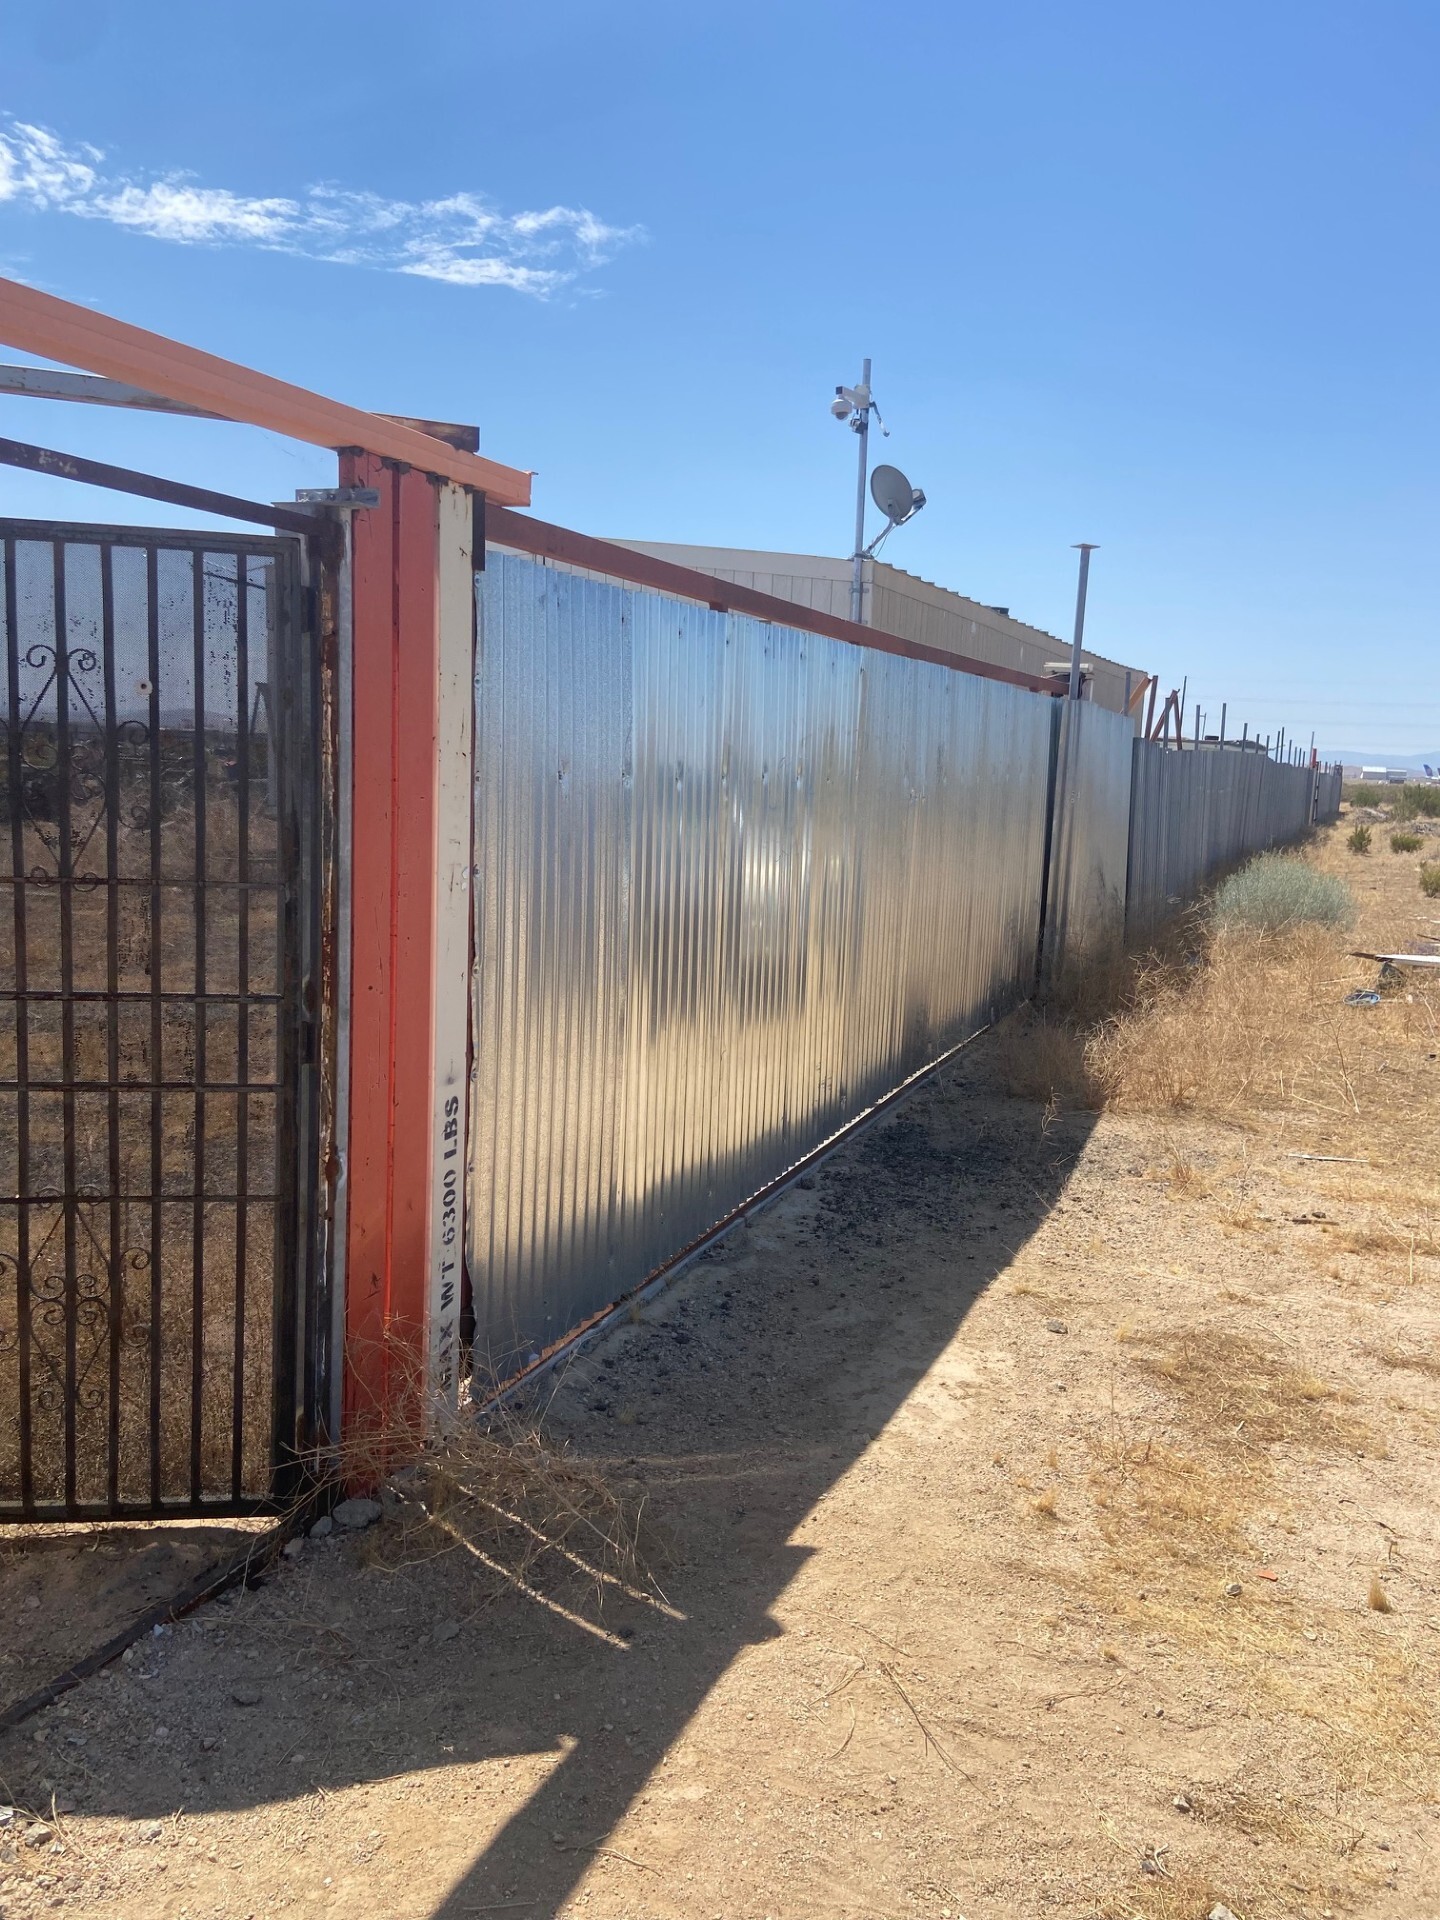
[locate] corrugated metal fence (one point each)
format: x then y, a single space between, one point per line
1085 882
734 884
1194 813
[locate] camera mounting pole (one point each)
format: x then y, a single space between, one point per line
860 421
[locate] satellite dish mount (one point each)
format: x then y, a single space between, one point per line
896 499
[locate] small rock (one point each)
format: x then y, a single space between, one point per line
244 1696
1056 1326
1221 1913
293 1549
354 1515
161 1735
1234 1589
321 1527
1159 1713
151 1830
1181 1803
38 1834
7 1816
446 1630
1059 1385
209 1742
32 1602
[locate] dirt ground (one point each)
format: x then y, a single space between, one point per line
1043 1521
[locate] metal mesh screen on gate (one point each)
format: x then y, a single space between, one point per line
148 1003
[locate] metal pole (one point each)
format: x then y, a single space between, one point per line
1085 548
1224 708
862 434
1180 714
1197 726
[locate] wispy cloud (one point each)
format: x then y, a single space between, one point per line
461 239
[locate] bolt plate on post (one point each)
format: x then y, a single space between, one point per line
337 496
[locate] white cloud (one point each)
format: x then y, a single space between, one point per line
461 239
172 210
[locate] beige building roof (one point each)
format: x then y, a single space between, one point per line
900 603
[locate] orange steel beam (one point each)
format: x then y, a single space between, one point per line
538 537
392 979
40 323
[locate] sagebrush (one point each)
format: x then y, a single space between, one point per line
1418 802
1278 890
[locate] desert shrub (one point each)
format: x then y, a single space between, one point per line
1430 881
1358 840
1418 803
1405 843
1277 890
1363 795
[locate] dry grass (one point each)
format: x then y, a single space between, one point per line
1236 1391
528 1517
1173 1893
1178 1519
1043 1056
1260 1036
1396 1357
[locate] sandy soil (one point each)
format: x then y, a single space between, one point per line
1021 1485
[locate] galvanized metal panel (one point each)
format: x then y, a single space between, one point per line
1090 837
1194 813
734 883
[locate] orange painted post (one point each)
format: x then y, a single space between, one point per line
392 951
412 678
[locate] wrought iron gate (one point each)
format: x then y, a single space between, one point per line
157 834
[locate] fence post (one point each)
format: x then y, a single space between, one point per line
412 626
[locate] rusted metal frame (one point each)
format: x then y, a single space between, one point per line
19 930
65 877
41 323
504 528
331 568
98 473
199 1104
294 723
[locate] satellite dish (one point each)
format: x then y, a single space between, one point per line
893 494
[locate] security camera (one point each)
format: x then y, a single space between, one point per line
840 407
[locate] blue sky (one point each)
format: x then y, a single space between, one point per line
1163 278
